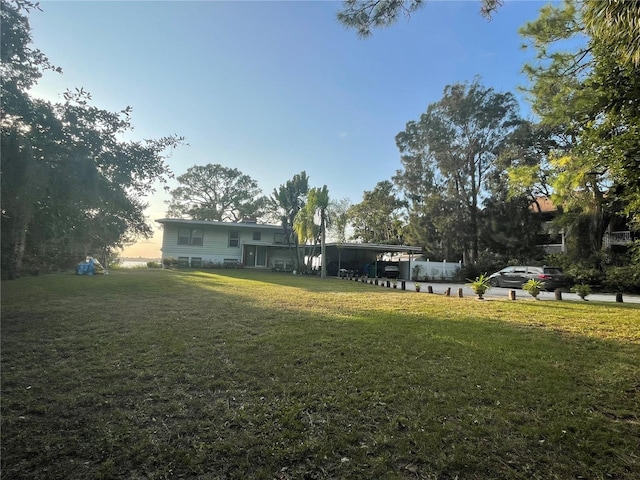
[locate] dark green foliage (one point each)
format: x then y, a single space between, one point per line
589 95
170 262
285 203
584 272
487 263
377 218
217 193
70 188
605 271
509 228
450 157
623 279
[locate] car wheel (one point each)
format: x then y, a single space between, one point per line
494 282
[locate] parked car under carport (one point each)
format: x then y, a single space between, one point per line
391 271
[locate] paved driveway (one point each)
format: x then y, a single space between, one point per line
497 292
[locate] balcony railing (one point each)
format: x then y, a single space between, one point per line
553 248
617 238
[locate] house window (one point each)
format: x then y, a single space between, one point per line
278 238
196 262
193 237
197 237
183 262
256 235
234 239
184 236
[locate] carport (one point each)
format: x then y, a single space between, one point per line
355 256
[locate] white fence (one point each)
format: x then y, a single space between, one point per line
427 270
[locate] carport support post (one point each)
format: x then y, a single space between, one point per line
460 292
619 297
512 294
403 285
558 294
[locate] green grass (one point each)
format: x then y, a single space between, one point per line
237 374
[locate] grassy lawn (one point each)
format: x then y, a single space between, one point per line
239 375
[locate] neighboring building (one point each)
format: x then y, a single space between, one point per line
617 237
196 243
552 239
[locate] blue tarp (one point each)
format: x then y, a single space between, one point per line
89 267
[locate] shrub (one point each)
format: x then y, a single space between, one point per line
170 262
416 272
153 264
582 290
623 279
560 260
533 287
585 273
482 266
480 285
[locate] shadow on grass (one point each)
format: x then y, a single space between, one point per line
230 376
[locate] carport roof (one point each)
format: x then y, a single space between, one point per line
376 247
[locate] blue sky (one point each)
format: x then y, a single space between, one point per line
275 88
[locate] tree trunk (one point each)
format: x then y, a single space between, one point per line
19 188
323 265
15 250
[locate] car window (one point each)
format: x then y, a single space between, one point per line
507 270
520 270
553 271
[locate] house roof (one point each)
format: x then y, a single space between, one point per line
183 221
543 205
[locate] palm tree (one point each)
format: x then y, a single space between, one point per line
322 206
287 201
305 226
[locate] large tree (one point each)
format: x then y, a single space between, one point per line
457 140
214 192
585 85
70 187
377 218
339 212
